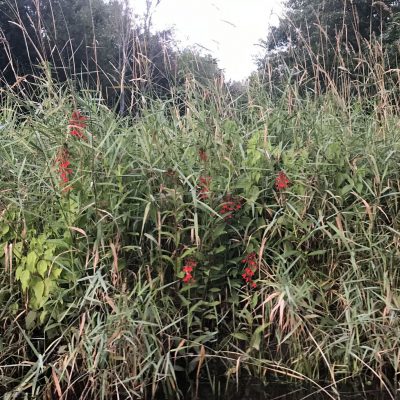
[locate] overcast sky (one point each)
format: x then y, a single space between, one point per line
230 29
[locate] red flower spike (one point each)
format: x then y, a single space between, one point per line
188 269
281 181
204 187
249 271
77 124
62 163
230 206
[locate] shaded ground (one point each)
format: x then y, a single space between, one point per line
253 390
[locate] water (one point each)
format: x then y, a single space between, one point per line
251 389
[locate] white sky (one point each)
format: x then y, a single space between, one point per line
229 29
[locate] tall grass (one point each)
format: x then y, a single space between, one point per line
93 298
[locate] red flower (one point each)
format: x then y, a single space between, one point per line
203 187
249 271
188 269
62 162
77 133
77 124
281 181
230 206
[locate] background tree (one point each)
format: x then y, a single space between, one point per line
78 38
16 32
98 45
319 41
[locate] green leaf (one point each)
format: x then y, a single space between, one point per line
218 231
24 278
56 272
31 259
239 335
57 243
49 286
253 194
30 319
257 336
210 316
42 267
48 254
38 289
18 272
17 249
4 230
317 253
41 239
219 249
145 216
346 189
42 316
213 303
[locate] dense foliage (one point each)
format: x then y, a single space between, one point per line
261 238
324 41
221 231
97 45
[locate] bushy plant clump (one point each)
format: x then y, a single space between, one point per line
260 236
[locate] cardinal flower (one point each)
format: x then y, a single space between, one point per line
62 165
204 187
77 125
188 269
229 206
250 269
281 181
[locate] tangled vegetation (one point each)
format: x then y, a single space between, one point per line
140 251
217 233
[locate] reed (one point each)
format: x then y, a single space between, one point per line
252 233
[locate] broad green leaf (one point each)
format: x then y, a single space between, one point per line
219 249
42 316
31 259
213 303
49 285
4 230
24 278
58 243
42 268
48 254
56 272
18 272
257 336
38 289
253 194
218 231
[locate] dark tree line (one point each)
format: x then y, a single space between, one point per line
322 41
96 44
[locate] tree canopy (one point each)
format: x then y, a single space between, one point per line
98 44
318 37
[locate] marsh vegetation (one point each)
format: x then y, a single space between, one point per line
204 235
